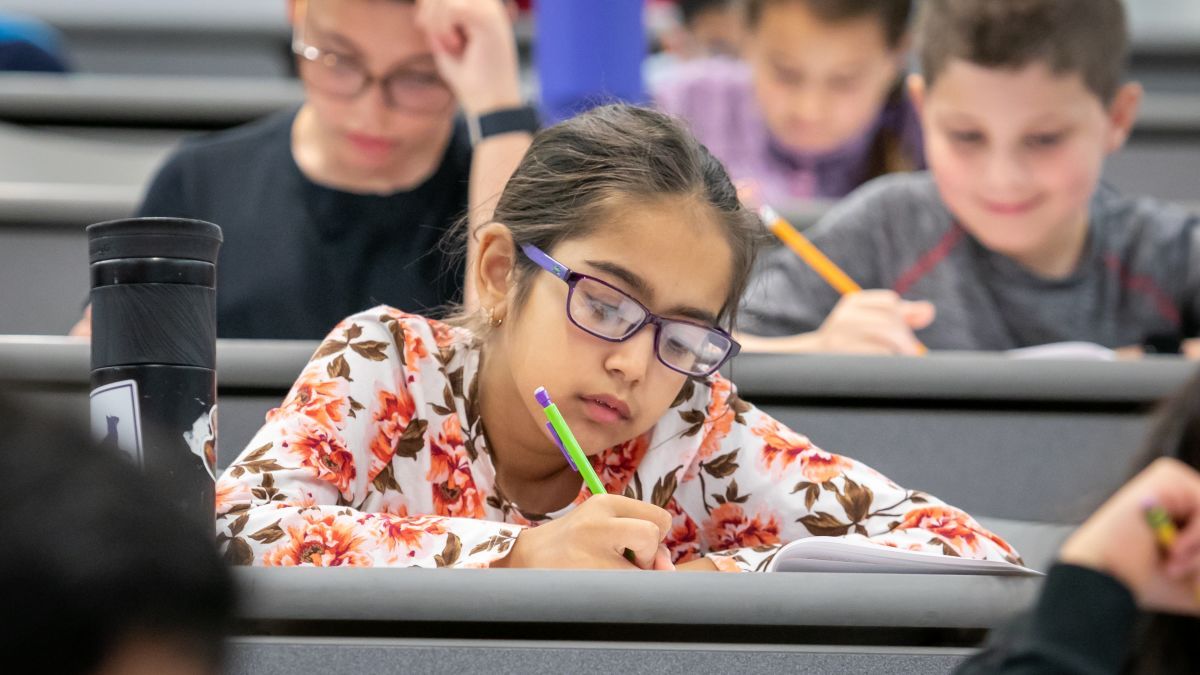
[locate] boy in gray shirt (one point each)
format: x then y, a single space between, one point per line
1008 241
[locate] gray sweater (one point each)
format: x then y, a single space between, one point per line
1137 280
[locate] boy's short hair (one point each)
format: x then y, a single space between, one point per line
1088 37
689 10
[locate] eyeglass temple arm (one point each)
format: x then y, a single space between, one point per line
546 262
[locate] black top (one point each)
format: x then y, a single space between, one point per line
1084 622
19 55
298 256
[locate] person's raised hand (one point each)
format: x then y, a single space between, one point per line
83 327
475 50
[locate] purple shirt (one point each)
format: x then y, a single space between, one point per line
716 98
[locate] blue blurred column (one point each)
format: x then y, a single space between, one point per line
587 53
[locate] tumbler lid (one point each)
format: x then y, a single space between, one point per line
154 238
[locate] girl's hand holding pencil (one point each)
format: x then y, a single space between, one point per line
595 535
1148 537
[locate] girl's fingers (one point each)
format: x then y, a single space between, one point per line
624 507
662 561
637 535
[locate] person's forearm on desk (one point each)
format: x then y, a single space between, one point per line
868 322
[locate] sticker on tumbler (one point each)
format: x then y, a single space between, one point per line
202 439
117 417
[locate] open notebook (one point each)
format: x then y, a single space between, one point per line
1075 351
834 554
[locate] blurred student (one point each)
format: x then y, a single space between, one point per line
1116 602
817 108
339 205
103 575
1010 237
29 45
689 30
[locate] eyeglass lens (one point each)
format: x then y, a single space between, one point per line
608 313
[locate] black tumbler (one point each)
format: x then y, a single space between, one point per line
154 346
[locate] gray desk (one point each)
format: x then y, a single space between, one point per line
179 101
219 37
562 621
51 187
1022 440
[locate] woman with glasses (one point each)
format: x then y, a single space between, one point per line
412 113
609 275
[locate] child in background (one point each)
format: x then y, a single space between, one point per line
338 205
1010 236
409 442
818 107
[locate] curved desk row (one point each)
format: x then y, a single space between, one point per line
447 621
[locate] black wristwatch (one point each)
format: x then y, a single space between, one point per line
503 121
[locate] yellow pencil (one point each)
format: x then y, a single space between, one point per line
811 255
1160 521
1164 530
801 246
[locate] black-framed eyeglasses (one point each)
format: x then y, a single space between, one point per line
344 76
602 310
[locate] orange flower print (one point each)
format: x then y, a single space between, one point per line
392 416
954 527
718 422
782 447
617 464
323 451
404 538
454 491
322 541
719 419
728 527
230 493
414 348
321 400
443 335
683 540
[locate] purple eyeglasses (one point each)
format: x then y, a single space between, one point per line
610 314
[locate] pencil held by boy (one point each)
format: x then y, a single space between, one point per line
1009 240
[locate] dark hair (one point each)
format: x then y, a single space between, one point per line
690 9
1088 37
97 555
893 14
577 170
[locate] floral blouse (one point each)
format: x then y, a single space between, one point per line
378 457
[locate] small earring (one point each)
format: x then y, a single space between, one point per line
492 320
